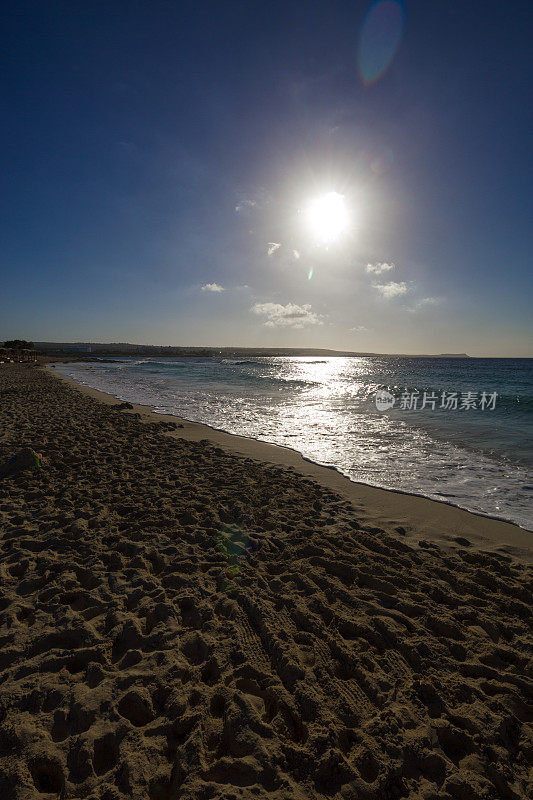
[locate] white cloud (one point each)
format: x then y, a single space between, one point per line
379 267
289 315
245 204
212 287
358 329
426 301
272 247
250 200
392 289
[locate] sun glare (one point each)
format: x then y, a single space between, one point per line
327 216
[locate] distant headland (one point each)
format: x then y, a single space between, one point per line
95 349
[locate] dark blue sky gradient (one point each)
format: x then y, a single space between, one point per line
133 130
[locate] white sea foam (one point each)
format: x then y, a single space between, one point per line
325 409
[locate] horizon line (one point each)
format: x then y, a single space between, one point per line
335 351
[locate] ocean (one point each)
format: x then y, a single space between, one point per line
456 430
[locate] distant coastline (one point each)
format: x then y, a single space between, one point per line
126 349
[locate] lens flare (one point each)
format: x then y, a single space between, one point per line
382 162
236 545
380 38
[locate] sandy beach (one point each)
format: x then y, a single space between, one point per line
189 614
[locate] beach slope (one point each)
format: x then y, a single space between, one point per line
181 621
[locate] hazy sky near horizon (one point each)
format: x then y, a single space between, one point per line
160 161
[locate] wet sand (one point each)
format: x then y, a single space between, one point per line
188 614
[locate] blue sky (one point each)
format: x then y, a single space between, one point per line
159 160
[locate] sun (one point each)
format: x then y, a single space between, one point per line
327 217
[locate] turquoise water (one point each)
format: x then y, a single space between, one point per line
479 459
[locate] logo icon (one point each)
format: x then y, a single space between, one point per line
384 400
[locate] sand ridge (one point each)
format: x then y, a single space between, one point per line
180 622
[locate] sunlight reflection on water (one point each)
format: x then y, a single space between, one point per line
325 409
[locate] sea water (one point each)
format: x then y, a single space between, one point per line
478 456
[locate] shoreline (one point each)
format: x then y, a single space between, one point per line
189 614
419 516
